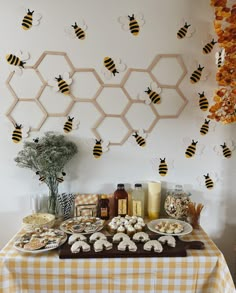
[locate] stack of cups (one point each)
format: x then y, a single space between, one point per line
154 199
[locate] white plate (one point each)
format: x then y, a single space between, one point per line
41 250
99 228
187 227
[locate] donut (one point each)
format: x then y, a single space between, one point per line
120 237
80 245
100 244
153 244
170 240
75 237
141 237
97 236
127 244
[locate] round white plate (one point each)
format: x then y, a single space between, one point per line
41 250
187 227
62 227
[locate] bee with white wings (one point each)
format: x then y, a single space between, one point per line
77 30
70 124
30 19
132 23
162 165
19 132
198 75
112 66
100 147
209 46
140 137
61 83
17 61
151 94
225 149
193 148
208 180
185 30
220 57
206 126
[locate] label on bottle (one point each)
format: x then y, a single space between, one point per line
137 208
122 206
104 212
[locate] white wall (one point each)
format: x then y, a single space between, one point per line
126 163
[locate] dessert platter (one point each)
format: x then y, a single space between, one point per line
84 225
170 227
127 224
40 240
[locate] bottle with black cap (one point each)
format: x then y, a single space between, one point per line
138 200
120 201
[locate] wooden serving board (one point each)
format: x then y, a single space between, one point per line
180 250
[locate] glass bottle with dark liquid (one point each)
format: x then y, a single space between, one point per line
120 201
103 207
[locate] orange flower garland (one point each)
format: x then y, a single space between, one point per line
224 109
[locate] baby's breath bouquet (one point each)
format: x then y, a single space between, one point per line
47 157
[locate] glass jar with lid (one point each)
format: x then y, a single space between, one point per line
176 203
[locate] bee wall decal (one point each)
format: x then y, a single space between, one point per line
203 102
153 93
191 149
132 23
208 181
60 179
70 124
17 62
42 178
61 83
99 148
196 75
77 30
205 127
227 153
30 19
19 132
112 66
220 57
208 47
163 168
185 31
140 139
226 149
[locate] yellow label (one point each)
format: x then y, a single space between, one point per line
137 208
103 212
122 206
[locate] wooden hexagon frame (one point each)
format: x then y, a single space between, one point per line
93 99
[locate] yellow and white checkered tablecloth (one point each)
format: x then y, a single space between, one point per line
202 271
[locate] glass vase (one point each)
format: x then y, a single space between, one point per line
53 199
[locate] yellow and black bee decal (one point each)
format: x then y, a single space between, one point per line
133 25
42 178
68 124
79 32
17 133
97 149
163 168
110 65
139 139
183 31
205 127
196 75
227 153
191 149
203 102
208 47
60 179
208 181
154 96
62 85
27 20
14 60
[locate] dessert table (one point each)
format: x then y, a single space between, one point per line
201 271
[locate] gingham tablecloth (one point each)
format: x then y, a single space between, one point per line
203 271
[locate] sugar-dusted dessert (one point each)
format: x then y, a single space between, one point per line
169 227
170 240
128 224
141 237
127 244
153 244
80 246
99 245
97 236
76 237
118 237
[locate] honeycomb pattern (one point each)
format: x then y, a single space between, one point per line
118 110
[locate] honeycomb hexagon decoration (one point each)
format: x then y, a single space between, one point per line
116 118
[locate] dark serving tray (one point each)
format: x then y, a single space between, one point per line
180 250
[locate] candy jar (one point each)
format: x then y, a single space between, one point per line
176 203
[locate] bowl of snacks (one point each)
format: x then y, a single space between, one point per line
38 220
